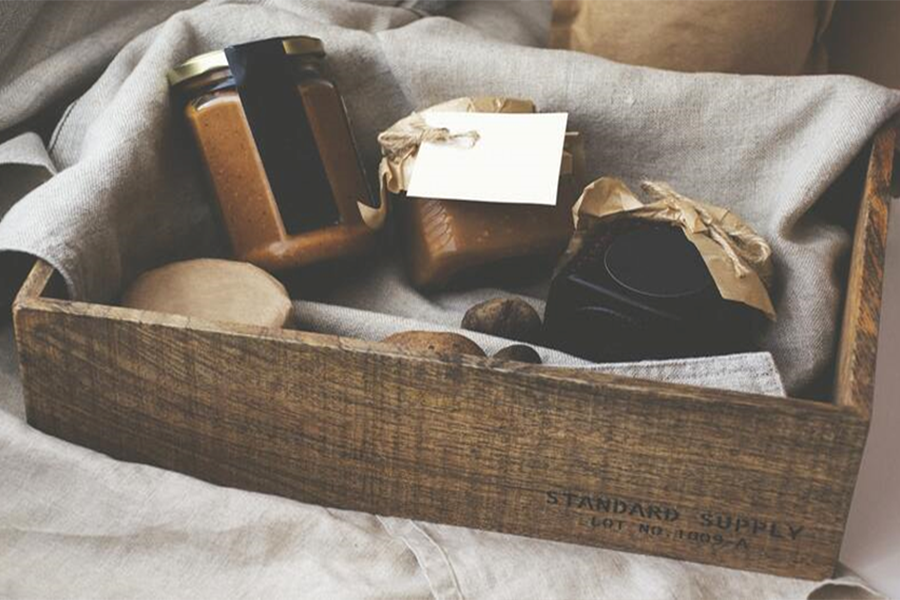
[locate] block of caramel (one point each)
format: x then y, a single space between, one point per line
640 290
446 240
450 242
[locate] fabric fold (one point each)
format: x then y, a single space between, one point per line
127 197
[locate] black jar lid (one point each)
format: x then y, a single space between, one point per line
298 45
657 261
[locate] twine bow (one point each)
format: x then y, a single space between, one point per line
739 260
401 141
738 242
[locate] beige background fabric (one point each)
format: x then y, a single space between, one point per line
858 37
864 40
763 37
74 523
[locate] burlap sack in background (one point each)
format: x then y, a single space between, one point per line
864 40
762 37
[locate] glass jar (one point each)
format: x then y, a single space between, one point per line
273 134
639 290
452 243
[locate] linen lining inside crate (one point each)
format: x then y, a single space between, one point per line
128 195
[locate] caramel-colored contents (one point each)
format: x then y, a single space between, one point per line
236 171
446 238
332 133
248 206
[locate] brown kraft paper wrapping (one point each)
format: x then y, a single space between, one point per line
738 259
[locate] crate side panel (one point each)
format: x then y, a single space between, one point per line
856 358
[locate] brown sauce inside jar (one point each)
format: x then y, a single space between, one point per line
274 137
449 243
454 243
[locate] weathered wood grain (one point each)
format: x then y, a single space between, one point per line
855 374
466 441
554 453
36 284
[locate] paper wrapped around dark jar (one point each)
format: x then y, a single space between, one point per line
673 278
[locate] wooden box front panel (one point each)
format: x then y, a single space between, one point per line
712 476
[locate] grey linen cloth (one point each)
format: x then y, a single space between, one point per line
127 196
124 197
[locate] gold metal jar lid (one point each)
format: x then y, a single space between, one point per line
210 61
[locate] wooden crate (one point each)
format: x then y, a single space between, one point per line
712 476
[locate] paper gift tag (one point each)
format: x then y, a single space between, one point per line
516 158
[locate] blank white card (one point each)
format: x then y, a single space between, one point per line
515 160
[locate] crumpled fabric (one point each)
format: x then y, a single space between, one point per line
113 193
128 198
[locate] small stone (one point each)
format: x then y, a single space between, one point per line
435 341
511 318
520 353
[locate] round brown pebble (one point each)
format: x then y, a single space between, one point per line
520 353
510 318
214 289
435 341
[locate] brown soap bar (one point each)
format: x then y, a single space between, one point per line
446 239
217 290
452 242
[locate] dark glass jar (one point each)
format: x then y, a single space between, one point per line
640 290
273 134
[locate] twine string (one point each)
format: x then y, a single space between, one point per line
400 143
741 245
